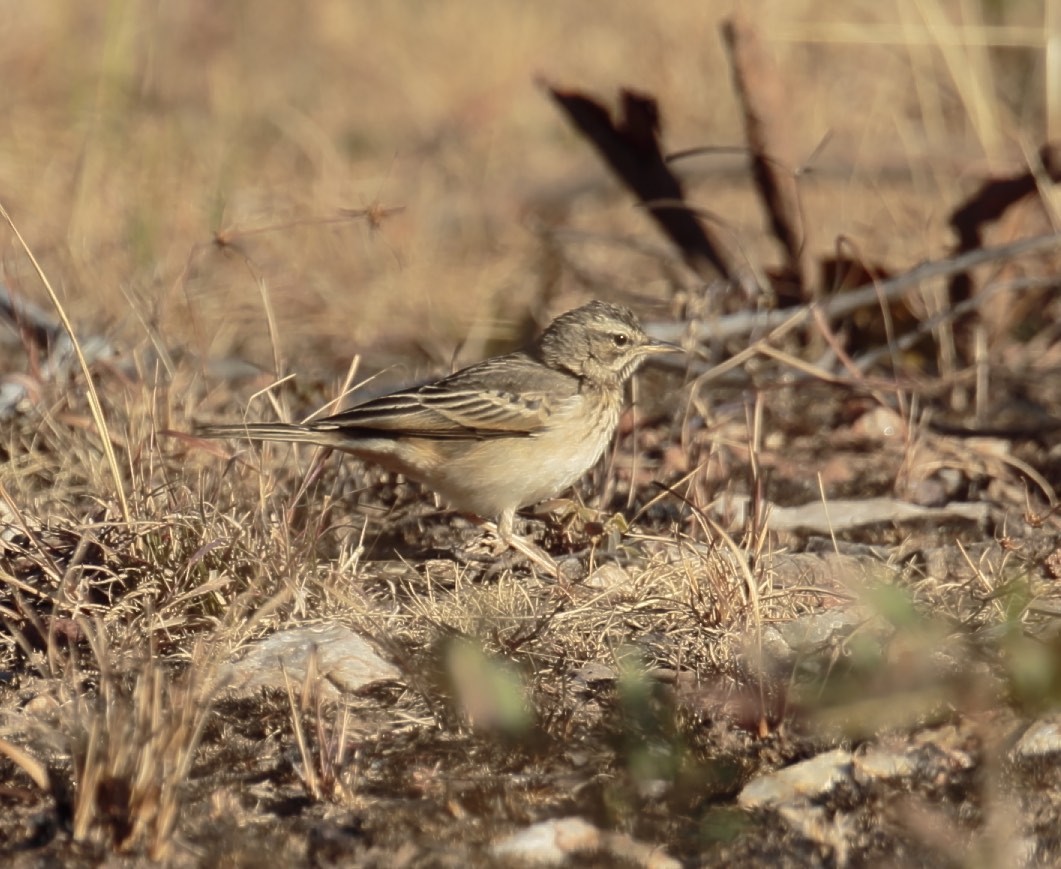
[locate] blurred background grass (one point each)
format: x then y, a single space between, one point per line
138 129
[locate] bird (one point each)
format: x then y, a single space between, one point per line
499 435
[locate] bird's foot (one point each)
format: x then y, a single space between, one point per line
529 550
493 563
507 549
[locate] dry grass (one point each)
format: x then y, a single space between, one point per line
258 210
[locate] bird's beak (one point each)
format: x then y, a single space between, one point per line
653 347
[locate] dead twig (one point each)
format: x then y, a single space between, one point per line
988 204
762 100
752 322
630 145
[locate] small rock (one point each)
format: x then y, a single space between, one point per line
805 639
607 576
1041 739
570 570
41 706
556 842
817 630
345 660
549 843
880 763
798 783
929 492
880 423
594 673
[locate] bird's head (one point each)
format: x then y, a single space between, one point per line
601 342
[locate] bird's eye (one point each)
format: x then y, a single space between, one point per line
621 339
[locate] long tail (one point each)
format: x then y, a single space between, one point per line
272 431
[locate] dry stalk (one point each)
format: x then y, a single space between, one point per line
132 753
102 429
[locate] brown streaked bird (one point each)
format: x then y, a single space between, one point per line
504 433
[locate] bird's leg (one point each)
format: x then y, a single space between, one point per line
505 526
508 547
509 540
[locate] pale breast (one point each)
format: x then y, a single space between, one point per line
509 473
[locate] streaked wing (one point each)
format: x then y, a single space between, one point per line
490 399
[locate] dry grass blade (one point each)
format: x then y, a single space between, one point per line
133 753
27 763
102 428
309 767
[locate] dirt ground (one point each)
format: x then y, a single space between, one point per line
807 610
